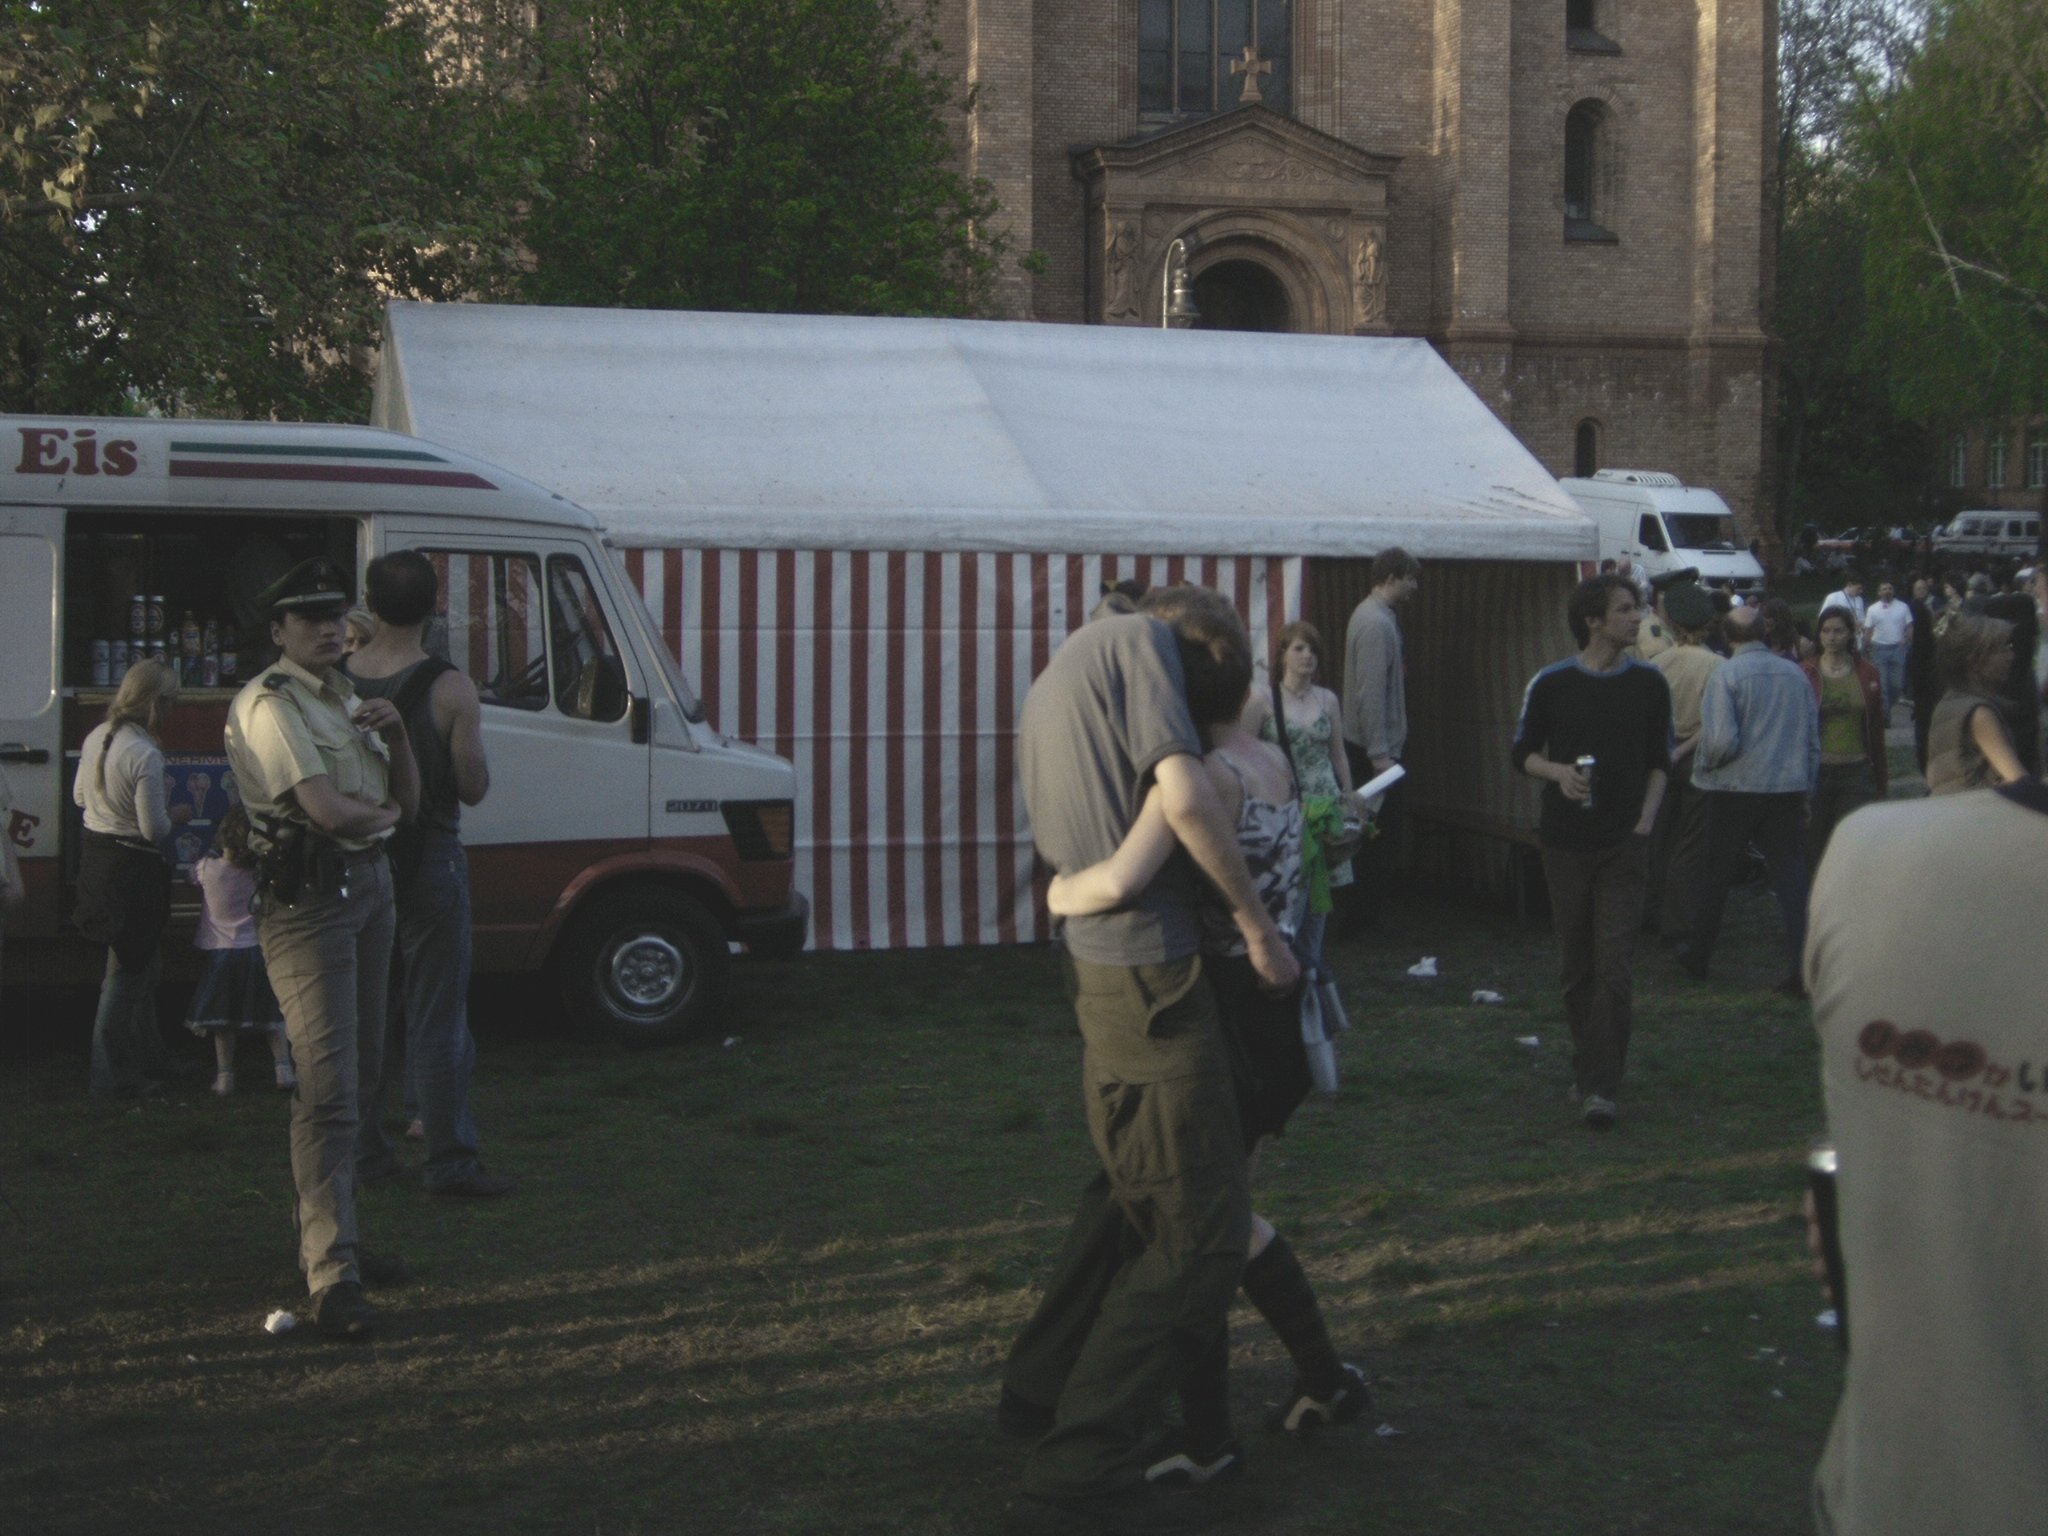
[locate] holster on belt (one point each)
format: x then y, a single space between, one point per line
297 863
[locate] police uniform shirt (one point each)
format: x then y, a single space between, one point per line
287 726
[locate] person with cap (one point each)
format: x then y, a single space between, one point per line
325 778
1678 843
1654 638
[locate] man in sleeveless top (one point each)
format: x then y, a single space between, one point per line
431 960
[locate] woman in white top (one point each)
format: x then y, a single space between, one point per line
124 880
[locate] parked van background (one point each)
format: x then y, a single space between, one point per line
625 845
1993 531
1662 524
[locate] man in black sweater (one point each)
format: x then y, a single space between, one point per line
1595 830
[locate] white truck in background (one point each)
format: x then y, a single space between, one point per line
1662 524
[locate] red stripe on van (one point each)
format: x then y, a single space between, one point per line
347 474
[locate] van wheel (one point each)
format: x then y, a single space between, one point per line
644 966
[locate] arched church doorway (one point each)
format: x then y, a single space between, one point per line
1241 296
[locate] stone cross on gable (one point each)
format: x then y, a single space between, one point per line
1251 66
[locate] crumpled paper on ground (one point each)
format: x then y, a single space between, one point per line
1425 967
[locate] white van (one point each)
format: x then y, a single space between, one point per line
624 846
1663 524
1992 531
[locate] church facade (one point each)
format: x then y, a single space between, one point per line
1570 199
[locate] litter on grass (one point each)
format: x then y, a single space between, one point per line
1387 1430
1486 995
1531 1041
280 1321
1426 966
1829 1318
731 1041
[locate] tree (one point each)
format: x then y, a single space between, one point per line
204 205
734 154
1954 158
1844 454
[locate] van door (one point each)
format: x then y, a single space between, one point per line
31 703
527 619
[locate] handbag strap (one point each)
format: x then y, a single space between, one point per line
1280 734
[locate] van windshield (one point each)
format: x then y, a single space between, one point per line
650 633
1700 530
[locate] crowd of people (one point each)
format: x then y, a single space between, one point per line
1201 832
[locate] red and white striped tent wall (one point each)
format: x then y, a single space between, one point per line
863 538
893 681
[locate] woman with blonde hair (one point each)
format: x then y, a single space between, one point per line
362 624
1968 744
124 880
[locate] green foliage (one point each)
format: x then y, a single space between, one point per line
1955 166
729 154
203 206
205 203
1845 454
1847 457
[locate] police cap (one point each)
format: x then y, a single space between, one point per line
308 587
1689 605
1664 581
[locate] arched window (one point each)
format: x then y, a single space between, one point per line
2037 459
1586 173
1187 50
1959 462
1586 449
1994 467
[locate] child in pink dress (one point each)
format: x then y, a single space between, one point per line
234 995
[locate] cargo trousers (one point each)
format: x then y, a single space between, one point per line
1162 1111
329 959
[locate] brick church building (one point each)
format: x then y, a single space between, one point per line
1568 198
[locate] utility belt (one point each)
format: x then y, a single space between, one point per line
299 864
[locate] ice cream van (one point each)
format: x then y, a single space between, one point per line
626 849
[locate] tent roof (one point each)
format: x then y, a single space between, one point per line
764 431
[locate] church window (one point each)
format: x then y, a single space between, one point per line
1198 57
1586 173
1994 468
1586 449
1582 32
1959 462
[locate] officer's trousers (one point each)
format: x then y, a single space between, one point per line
330 964
1162 1111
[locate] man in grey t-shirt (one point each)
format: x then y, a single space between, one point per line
1105 722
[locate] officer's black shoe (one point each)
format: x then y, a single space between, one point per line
1022 1419
342 1312
382 1269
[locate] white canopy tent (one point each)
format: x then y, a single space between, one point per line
734 430
864 537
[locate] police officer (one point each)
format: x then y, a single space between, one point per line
325 777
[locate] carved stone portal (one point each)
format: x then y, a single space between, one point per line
1248 186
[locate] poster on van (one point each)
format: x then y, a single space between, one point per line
206 787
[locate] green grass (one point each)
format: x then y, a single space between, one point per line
768 1287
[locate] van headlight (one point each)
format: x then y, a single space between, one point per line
762 830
